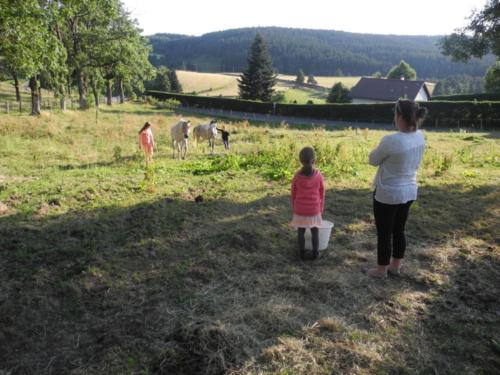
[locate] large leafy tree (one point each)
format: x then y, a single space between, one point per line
85 33
403 69
133 66
258 80
28 46
161 82
479 38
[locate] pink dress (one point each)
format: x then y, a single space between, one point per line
146 138
308 199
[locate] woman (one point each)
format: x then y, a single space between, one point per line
398 157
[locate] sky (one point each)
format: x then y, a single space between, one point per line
197 17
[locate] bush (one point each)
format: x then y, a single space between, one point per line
468 97
168 104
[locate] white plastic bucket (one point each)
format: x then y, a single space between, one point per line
325 231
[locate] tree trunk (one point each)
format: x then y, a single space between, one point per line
39 94
35 101
16 85
62 103
62 98
122 95
109 95
95 93
81 91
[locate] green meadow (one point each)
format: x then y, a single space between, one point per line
109 266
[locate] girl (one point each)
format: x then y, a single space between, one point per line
147 142
225 137
398 158
308 198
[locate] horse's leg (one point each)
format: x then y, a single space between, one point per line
184 148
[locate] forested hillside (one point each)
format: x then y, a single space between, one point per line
320 52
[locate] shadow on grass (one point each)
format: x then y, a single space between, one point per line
101 164
177 287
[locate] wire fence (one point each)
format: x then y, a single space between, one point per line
12 107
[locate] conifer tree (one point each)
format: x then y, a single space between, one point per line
258 80
175 85
311 80
300 77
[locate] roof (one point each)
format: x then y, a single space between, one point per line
387 89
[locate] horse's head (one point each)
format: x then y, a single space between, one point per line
186 127
213 127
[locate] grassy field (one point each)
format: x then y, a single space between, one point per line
111 268
304 95
215 84
327 82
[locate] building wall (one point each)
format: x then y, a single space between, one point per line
422 95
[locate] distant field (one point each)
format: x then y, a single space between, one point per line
303 95
226 84
327 82
209 84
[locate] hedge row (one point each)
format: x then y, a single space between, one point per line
215 102
468 97
441 113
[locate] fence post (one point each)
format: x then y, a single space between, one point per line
7 107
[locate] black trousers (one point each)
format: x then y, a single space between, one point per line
390 220
314 239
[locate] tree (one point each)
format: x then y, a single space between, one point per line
492 78
459 84
480 37
161 82
27 44
258 80
339 94
311 80
300 77
377 75
403 69
175 85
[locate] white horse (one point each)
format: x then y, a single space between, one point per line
202 132
180 135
